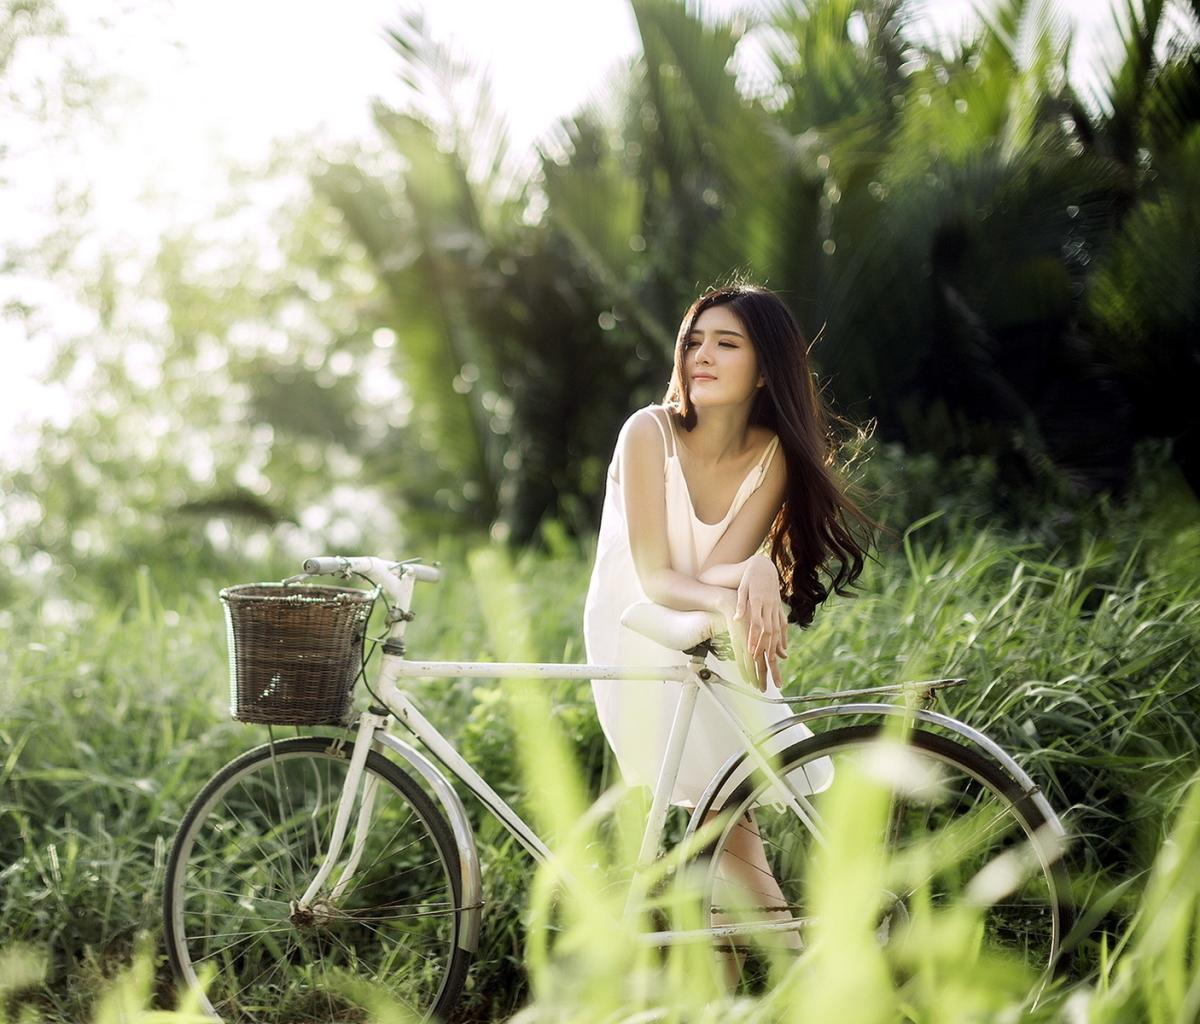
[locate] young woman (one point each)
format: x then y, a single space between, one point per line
724 499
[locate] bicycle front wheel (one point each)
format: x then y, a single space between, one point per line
957 831
245 854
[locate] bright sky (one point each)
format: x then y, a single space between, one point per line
221 78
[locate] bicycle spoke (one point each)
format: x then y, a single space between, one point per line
956 833
247 854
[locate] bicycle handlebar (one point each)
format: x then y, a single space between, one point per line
370 567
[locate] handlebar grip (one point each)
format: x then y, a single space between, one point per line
324 566
425 573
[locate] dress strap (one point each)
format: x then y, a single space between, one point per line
668 432
768 454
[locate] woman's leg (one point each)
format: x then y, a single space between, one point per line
746 883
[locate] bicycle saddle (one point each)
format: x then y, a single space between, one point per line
694 632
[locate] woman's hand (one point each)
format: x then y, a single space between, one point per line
758 626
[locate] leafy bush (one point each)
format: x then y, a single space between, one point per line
1082 660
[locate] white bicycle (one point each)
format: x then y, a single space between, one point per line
315 859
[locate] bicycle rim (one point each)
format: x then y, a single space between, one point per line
244 855
979 839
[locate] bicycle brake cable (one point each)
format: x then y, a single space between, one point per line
375 643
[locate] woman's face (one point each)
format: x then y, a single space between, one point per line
720 366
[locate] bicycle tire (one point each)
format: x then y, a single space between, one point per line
936 786
246 850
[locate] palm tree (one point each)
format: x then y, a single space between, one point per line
959 209
935 218
910 204
504 333
1145 301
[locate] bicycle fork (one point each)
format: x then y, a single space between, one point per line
307 906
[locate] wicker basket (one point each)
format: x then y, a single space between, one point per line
294 651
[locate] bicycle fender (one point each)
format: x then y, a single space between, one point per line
468 855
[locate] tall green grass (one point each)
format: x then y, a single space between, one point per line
1082 656
108 715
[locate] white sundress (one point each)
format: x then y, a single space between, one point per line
636 715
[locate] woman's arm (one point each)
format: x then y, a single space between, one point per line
758 622
736 583
642 466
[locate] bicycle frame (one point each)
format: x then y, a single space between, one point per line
373 727
695 676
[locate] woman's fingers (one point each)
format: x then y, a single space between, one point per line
759 608
773 671
759 673
757 661
745 664
769 635
759 630
748 664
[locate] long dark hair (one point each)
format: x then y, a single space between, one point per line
820 533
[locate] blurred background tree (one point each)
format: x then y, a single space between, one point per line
440 332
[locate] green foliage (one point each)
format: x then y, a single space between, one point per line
436 331
501 338
105 711
1134 665
1154 977
257 417
1080 646
23 20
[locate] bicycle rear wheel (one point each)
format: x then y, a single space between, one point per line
245 853
978 837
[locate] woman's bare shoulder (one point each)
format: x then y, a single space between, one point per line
642 441
646 426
